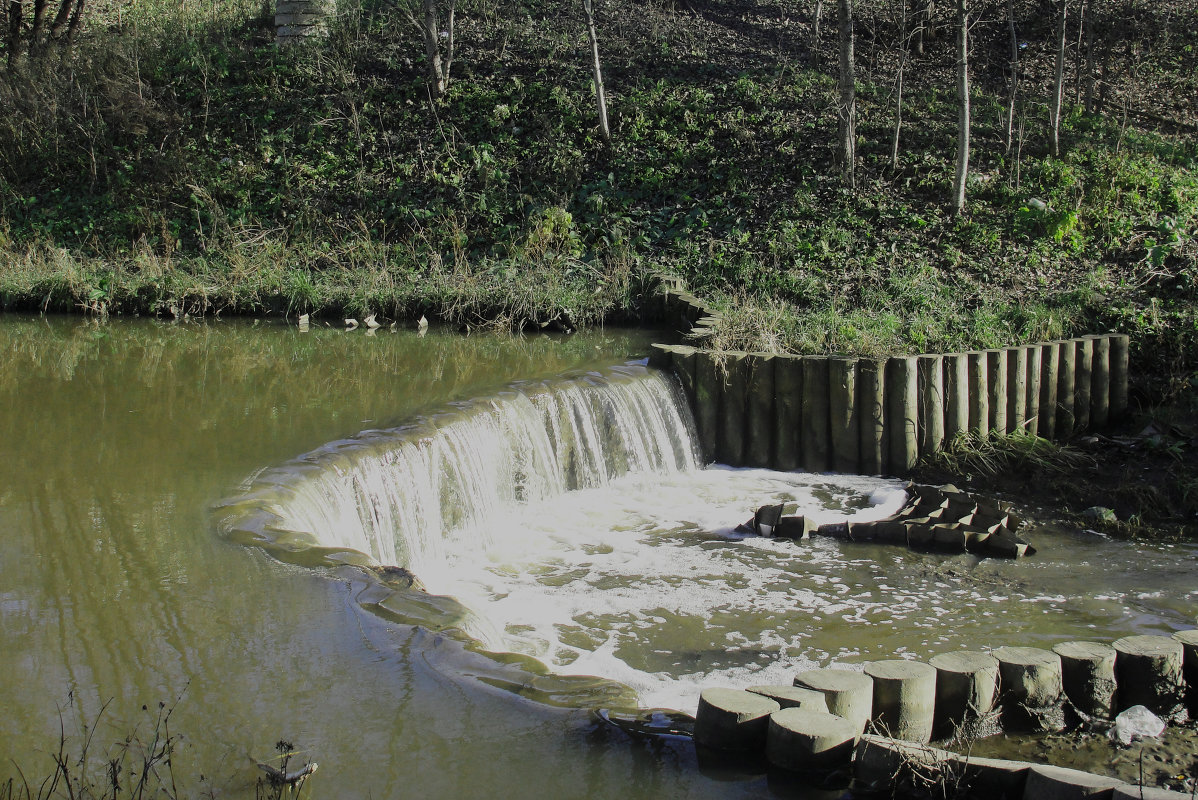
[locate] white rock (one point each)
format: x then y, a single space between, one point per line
1137 722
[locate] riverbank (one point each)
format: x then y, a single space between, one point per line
1136 479
174 160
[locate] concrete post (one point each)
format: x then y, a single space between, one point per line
1082 381
956 395
760 422
1030 689
848 694
979 394
1148 670
844 414
800 739
966 683
1016 389
1034 355
816 441
931 403
1066 394
871 401
1050 366
1088 676
1100 382
1120 346
904 701
788 410
661 356
996 368
732 719
902 412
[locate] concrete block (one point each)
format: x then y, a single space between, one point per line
1030 689
848 694
1058 783
793 697
904 699
1088 677
800 739
966 684
733 719
1148 671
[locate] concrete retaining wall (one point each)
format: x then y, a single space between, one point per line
296 20
880 415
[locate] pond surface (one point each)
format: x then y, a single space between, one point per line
119 440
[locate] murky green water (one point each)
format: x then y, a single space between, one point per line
118 439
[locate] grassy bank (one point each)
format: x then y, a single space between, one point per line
174 157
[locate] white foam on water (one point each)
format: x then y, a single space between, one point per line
647 582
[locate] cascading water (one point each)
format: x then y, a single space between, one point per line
395 495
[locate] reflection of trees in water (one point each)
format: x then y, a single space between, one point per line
277 389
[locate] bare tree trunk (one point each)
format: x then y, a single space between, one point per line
847 108
600 96
39 24
14 31
1104 80
76 20
439 61
1013 93
819 12
1058 85
41 31
921 16
1088 25
1019 155
1077 54
61 19
898 102
962 174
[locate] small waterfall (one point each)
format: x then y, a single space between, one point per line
395 494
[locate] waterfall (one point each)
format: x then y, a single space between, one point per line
395 494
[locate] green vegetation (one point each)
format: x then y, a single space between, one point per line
142 765
993 455
175 157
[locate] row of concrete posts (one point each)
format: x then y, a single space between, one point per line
880 415
817 723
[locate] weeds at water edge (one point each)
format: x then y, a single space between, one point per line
990 455
138 766
141 766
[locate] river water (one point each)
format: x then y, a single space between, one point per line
127 446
